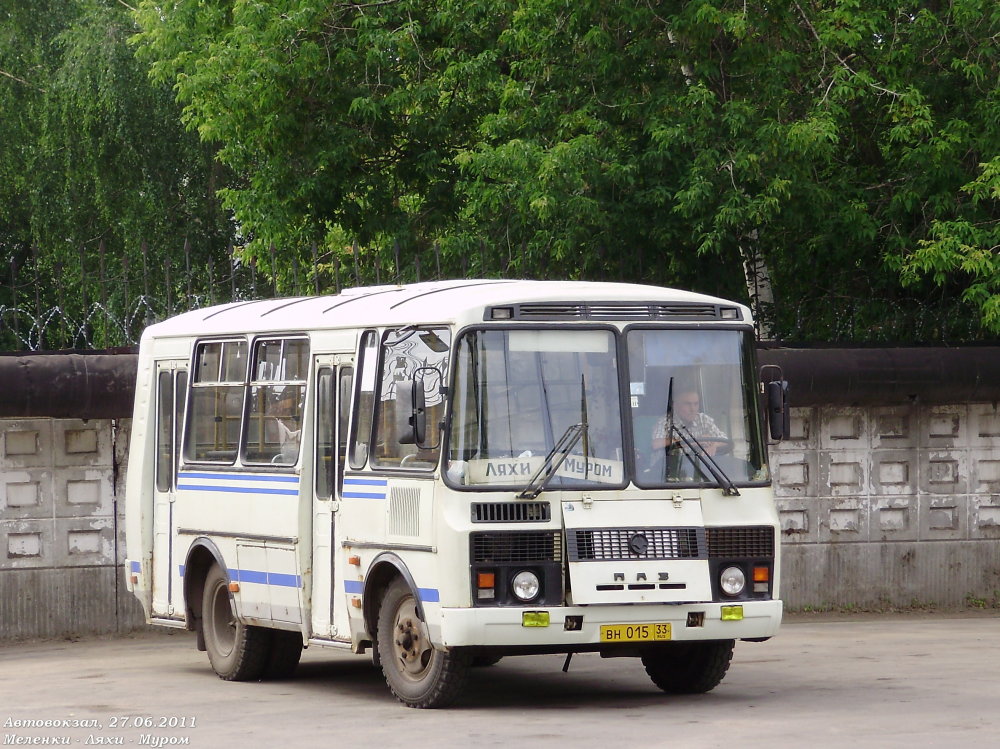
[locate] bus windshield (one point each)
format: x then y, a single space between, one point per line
691 401
692 404
518 392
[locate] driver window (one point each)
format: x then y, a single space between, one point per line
408 355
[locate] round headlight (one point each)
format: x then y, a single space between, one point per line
733 581
525 585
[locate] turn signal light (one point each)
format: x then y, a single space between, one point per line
486 580
761 574
234 587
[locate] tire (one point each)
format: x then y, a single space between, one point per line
416 673
689 667
237 651
283 657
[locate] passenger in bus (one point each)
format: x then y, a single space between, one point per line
688 414
288 411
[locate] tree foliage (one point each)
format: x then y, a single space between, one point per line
95 162
851 148
840 142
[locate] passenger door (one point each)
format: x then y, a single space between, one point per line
334 375
171 387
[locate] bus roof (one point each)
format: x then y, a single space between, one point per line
444 302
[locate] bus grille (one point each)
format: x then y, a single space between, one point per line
511 512
605 544
740 542
516 546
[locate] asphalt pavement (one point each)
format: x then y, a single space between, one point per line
871 681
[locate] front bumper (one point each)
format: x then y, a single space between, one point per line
502 627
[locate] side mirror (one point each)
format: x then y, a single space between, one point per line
411 414
778 411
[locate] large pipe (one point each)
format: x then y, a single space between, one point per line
887 376
102 386
72 386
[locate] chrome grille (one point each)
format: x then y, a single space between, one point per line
601 544
740 542
511 512
516 546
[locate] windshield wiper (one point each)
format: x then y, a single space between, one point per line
557 455
696 450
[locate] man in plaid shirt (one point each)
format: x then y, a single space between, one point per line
687 413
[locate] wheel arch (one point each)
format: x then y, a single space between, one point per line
202 554
382 571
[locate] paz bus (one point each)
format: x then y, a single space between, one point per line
452 472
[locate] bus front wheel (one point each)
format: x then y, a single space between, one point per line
237 651
416 673
689 667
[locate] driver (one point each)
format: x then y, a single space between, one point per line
687 413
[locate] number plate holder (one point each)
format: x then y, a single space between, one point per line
652 632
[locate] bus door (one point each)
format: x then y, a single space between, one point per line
333 407
171 386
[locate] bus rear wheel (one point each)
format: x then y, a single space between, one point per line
237 651
416 673
689 667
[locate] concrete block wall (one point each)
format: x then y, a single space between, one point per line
878 505
890 504
61 530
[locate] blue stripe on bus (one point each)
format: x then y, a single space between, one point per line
277 579
237 489
428 595
238 477
357 488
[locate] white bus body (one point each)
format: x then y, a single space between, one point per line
455 471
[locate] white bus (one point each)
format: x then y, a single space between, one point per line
453 472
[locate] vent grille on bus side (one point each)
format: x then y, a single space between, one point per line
404 511
609 544
517 546
511 512
740 542
613 311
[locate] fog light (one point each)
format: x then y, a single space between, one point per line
732 613
535 619
733 581
525 585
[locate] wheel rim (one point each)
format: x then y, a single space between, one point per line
412 649
223 623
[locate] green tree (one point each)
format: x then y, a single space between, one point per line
825 141
100 169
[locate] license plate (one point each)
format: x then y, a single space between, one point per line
635 632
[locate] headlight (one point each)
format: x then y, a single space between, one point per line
525 585
733 581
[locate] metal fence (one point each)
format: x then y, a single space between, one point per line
101 299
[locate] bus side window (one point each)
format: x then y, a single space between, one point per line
364 400
343 417
217 391
277 395
325 403
419 357
165 431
